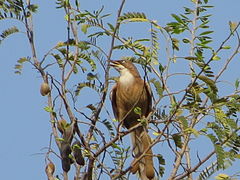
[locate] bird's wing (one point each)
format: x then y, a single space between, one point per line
113 100
149 97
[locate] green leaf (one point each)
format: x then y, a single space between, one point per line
220 102
23 59
91 85
177 140
192 131
161 162
76 146
183 122
91 76
114 145
205 33
185 40
109 126
67 17
111 27
18 72
226 47
138 111
157 86
133 17
208 172
156 133
77 3
233 26
84 28
58 59
209 82
237 83
138 45
207 6
212 138
141 40
212 95
175 44
220 115
83 45
222 177
60 139
48 109
33 8
191 58
216 58
18 66
173 101
88 59
114 120
8 32
177 18
220 155
232 123
161 68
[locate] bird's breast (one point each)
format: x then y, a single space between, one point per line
131 94
127 99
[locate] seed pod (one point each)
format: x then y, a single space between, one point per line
66 129
77 153
50 168
65 151
68 133
61 124
44 89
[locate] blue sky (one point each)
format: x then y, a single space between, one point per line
25 127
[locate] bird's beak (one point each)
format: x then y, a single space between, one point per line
115 64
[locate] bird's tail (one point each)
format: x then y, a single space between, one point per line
141 141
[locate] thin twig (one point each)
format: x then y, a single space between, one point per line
99 108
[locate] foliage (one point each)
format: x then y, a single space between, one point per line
179 118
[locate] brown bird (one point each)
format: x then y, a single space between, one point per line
131 92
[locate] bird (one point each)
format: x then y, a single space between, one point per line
131 92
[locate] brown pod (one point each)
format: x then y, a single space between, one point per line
65 151
44 89
77 153
68 133
50 168
61 125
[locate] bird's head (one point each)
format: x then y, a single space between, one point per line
124 66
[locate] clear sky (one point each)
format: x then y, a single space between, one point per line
25 127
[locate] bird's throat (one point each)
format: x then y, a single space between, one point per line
126 78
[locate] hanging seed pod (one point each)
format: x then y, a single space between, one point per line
77 153
65 151
50 168
44 89
66 129
61 125
68 133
